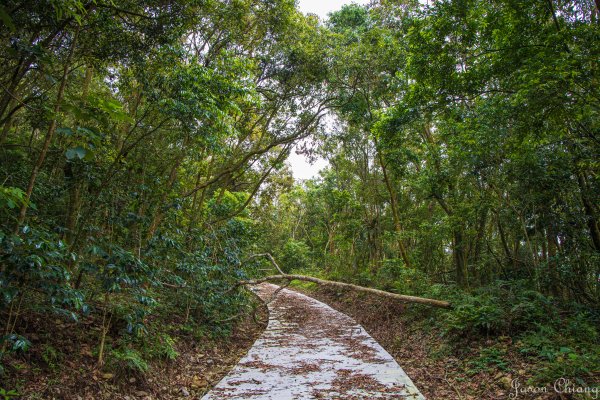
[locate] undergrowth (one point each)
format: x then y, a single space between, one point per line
487 326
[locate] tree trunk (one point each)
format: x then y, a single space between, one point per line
460 258
158 216
6 127
74 205
49 135
592 221
9 93
75 186
395 212
479 239
552 262
401 297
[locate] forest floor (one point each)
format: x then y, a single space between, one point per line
311 351
440 370
62 364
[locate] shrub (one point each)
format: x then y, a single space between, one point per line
411 281
51 357
565 362
295 256
569 350
473 315
127 361
161 346
8 394
12 343
491 358
506 308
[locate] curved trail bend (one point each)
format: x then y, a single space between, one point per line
311 351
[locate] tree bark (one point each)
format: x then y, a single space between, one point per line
552 262
158 216
401 297
75 182
6 128
49 135
395 212
592 221
460 258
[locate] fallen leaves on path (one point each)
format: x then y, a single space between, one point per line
311 351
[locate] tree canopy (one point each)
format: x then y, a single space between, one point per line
143 151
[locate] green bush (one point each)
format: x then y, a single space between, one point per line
473 315
8 394
364 278
390 271
128 361
411 281
39 256
490 359
570 363
539 344
161 346
568 350
505 308
51 357
295 256
526 308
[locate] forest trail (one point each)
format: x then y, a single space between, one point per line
311 351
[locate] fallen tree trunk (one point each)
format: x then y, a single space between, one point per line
291 277
401 297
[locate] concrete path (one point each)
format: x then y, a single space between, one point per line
311 351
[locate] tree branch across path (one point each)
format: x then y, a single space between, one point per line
290 277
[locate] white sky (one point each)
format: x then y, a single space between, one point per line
323 7
301 168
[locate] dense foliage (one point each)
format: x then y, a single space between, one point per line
143 149
133 138
463 165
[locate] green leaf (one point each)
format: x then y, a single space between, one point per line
565 350
89 155
7 20
65 131
76 152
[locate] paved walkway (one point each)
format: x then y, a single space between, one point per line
311 351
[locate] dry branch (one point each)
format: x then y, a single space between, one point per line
270 257
401 297
283 276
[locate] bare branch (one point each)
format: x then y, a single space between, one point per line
401 297
270 257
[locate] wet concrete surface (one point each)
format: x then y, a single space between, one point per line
311 351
